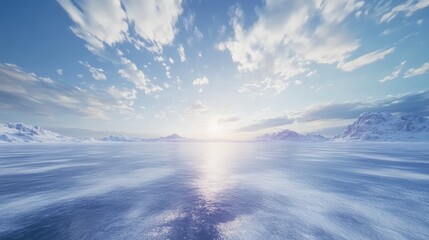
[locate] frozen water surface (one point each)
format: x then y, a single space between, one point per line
214 191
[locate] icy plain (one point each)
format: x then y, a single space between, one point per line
273 190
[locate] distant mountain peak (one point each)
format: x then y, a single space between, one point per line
122 138
289 135
174 135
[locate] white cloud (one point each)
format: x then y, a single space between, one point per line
124 93
182 54
97 22
60 71
154 20
136 76
228 118
289 35
248 87
364 60
198 34
298 82
409 8
97 73
395 73
388 31
178 83
417 71
201 81
108 22
158 58
124 99
188 21
171 60
28 92
197 108
276 85
420 21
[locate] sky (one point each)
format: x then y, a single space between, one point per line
210 69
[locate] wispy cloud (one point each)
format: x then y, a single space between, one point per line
409 8
92 17
200 81
97 73
130 72
229 118
300 33
267 123
267 84
394 74
404 104
108 22
181 51
154 20
27 92
415 103
197 108
364 60
417 71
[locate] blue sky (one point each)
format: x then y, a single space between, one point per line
211 69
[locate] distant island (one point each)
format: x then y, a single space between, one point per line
369 126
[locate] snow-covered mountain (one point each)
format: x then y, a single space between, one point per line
120 138
289 135
19 132
382 126
170 138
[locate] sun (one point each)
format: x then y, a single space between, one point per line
215 130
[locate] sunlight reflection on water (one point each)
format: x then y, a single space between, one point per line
214 191
214 166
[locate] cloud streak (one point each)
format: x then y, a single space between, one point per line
29 93
364 60
267 123
130 72
394 74
412 72
109 22
300 33
197 108
409 8
97 73
411 103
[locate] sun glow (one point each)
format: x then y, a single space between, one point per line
215 130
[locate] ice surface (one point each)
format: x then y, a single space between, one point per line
260 190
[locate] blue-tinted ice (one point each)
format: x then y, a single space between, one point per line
215 191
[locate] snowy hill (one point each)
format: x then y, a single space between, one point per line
120 138
381 126
170 138
289 135
19 132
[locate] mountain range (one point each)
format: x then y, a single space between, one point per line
369 126
382 126
289 135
